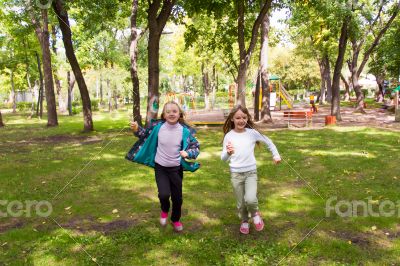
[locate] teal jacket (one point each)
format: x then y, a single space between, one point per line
144 150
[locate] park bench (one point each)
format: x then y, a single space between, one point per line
296 118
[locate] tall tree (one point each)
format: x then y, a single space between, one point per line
42 32
55 69
245 54
335 107
265 107
156 20
64 25
1 120
375 28
136 33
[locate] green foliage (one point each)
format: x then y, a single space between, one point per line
25 106
385 60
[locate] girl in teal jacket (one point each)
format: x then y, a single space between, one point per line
164 145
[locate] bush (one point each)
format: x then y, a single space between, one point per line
95 105
221 94
24 106
76 110
7 105
76 103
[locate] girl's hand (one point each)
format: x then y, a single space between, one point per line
277 161
134 126
184 154
229 148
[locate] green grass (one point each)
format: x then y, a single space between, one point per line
110 210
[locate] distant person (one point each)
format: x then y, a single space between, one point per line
312 103
165 145
238 149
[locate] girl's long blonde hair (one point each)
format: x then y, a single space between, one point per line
181 113
229 125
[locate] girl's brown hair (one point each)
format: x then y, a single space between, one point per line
228 125
181 113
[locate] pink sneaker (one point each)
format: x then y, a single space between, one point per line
245 228
178 226
258 221
163 218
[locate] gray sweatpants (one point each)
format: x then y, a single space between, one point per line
245 188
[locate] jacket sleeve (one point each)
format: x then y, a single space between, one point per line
144 132
193 149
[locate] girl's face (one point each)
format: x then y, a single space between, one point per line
171 113
240 119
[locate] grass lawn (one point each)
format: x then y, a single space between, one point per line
105 209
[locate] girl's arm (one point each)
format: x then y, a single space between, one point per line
270 145
193 148
144 132
224 154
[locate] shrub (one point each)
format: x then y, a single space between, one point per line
95 105
25 106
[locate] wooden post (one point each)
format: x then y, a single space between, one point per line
330 120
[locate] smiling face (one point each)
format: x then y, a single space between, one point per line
240 119
171 113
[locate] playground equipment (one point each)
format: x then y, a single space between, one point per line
184 99
277 90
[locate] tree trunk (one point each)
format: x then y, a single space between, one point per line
265 107
327 78
13 97
257 97
39 107
109 96
335 108
1 120
347 86
101 89
133 53
61 105
354 76
71 83
245 55
379 81
206 86
156 24
213 87
321 98
48 73
63 21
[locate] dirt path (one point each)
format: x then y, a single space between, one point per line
375 117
